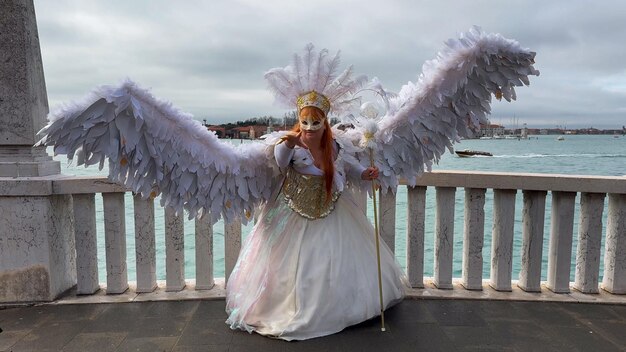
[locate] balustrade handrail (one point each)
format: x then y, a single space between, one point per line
523 181
66 184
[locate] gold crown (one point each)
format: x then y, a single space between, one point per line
314 98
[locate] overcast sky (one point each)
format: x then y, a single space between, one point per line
209 57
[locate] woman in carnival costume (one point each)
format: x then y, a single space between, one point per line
308 268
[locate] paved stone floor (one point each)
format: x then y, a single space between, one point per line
413 325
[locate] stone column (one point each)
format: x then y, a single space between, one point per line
444 237
415 229
473 238
37 253
533 218
560 249
502 239
86 243
232 246
589 242
145 247
614 280
204 253
23 99
174 250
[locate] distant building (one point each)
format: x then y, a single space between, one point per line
256 131
491 130
555 131
239 132
590 130
524 133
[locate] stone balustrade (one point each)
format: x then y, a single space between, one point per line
534 187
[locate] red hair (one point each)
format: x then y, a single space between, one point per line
328 165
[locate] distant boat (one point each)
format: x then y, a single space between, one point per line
560 138
467 153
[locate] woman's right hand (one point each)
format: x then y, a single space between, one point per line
293 139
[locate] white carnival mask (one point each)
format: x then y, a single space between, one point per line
308 123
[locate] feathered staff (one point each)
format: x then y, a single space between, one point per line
368 124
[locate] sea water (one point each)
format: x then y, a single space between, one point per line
603 155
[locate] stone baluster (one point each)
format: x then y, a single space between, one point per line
561 233
387 219
589 242
86 243
232 244
614 279
416 214
444 237
115 242
204 253
502 239
473 237
145 251
174 251
533 216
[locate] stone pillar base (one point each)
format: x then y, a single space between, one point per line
26 161
37 256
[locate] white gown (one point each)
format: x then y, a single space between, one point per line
297 278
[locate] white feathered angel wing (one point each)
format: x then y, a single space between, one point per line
450 99
154 148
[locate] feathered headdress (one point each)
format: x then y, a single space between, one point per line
312 80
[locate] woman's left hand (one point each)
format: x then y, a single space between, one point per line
371 173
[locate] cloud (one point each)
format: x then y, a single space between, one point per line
209 57
615 83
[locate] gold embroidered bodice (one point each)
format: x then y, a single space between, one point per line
306 195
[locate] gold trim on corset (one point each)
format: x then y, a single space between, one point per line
306 195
